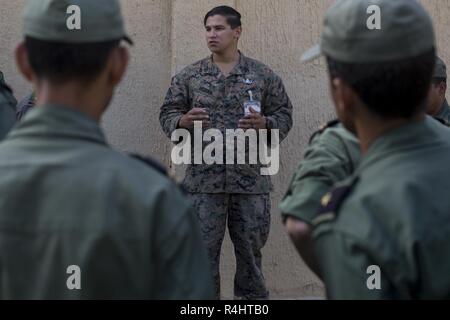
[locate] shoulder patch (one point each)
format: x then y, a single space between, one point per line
322 129
331 202
151 162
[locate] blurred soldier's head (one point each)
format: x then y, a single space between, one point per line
438 88
223 29
73 46
381 56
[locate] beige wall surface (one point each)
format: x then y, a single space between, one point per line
169 35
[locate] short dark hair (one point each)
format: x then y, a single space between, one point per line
394 89
60 62
437 81
233 17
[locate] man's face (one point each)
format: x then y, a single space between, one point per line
219 35
436 97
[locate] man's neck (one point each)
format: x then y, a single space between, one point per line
370 130
227 61
227 58
71 95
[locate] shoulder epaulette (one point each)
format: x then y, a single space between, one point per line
160 168
152 163
332 201
322 129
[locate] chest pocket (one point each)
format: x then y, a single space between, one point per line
242 95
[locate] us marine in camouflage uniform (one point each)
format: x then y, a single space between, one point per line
214 91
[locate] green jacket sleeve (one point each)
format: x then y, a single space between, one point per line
327 161
183 268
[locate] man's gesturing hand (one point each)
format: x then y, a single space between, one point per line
196 114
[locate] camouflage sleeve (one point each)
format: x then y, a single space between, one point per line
278 107
176 104
346 267
183 271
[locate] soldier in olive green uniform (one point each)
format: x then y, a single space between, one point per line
438 105
214 90
79 220
333 155
7 108
379 233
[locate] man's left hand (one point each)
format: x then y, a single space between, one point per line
253 121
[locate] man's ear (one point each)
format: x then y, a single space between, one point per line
117 64
343 95
238 32
23 63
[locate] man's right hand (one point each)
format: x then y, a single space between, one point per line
196 114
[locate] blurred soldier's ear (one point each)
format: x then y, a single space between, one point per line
343 95
117 64
23 63
346 102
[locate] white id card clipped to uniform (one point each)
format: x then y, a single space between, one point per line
255 105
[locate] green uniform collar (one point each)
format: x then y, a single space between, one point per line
59 122
404 137
209 67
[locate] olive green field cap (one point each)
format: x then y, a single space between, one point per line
440 70
372 31
51 20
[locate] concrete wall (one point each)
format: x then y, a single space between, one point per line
169 35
